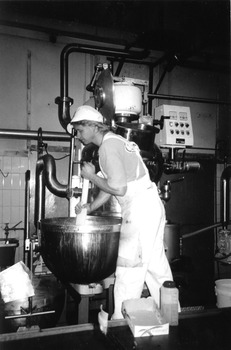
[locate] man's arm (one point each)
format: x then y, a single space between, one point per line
88 172
101 199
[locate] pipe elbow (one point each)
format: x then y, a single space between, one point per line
46 176
226 174
64 104
51 182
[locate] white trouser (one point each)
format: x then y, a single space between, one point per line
145 221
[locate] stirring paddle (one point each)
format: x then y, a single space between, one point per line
81 217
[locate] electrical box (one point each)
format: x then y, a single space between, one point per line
177 129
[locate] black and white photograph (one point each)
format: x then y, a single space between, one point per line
115 168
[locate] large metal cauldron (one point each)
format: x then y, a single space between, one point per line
80 254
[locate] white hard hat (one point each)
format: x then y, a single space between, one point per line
85 112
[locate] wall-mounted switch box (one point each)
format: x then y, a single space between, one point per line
177 129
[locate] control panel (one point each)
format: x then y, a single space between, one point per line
177 129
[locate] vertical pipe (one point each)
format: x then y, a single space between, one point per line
27 218
225 202
28 98
39 211
225 196
71 161
76 178
150 89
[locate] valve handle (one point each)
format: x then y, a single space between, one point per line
161 121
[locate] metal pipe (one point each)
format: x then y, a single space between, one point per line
188 99
224 205
64 101
39 211
33 135
28 95
27 215
94 50
225 196
41 313
72 147
71 162
49 174
150 87
188 235
46 175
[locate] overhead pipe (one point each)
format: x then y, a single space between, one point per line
188 99
172 61
64 102
225 196
169 67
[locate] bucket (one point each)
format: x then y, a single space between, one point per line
172 241
7 252
223 292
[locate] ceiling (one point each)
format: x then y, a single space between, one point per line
196 32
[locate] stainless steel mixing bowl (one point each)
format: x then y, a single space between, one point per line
80 254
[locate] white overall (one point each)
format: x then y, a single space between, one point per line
141 256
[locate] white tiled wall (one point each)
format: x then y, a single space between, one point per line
12 197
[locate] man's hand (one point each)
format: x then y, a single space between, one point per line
87 170
79 207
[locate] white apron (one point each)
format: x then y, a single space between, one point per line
141 256
137 215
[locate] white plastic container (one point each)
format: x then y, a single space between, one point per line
169 296
223 292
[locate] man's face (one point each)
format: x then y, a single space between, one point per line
85 133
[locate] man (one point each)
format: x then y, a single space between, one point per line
141 256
